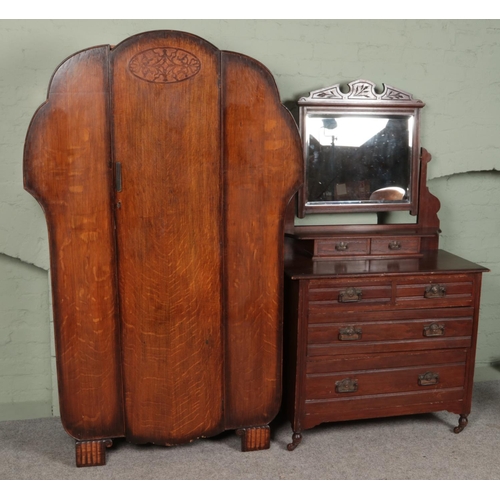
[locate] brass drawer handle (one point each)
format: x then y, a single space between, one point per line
341 246
346 385
434 330
394 245
435 291
350 294
428 378
349 333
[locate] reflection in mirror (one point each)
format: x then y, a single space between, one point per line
354 158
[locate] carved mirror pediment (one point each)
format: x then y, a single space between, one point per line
361 149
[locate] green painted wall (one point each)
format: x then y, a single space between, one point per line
25 352
451 65
470 224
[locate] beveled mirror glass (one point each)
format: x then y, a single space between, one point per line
361 150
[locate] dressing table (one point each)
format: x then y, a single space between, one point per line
378 320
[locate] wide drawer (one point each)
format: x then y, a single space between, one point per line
391 330
388 373
398 403
327 297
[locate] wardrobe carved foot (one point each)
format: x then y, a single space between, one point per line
255 438
296 439
462 423
90 453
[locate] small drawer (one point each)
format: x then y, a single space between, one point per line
439 291
370 375
327 296
395 246
342 247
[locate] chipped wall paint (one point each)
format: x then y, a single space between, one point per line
25 354
451 65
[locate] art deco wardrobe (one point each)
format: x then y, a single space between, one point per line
164 167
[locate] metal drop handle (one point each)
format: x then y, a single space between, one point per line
428 378
341 246
350 294
434 330
350 333
435 291
346 385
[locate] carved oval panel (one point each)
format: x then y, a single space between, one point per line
164 65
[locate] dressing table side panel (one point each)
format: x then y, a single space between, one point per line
471 361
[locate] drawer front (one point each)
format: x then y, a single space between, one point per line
326 296
342 247
396 246
426 401
380 360
371 375
438 291
389 331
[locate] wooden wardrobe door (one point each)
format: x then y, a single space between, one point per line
66 168
262 170
166 137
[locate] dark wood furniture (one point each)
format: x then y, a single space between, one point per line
379 321
164 167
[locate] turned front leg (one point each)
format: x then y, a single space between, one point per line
462 423
296 439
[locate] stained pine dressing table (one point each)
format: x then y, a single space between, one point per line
378 320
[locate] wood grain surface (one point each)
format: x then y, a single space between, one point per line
165 168
66 168
169 232
262 168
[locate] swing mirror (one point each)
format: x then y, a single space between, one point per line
361 150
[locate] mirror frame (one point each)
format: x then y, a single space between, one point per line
361 97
